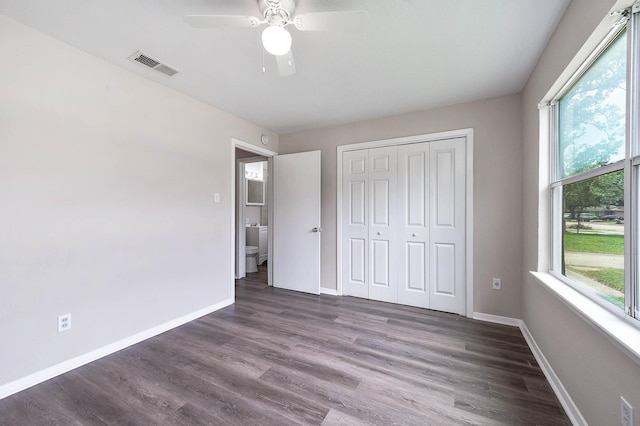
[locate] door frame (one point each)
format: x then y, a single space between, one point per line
428 137
254 149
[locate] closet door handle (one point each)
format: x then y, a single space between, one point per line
316 230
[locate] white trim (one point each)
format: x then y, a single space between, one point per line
618 329
497 319
569 406
246 146
469 225
70 364
545 121
428 137
270 257
339 290
589 174
239 249
329 291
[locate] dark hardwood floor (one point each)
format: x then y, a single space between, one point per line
278 357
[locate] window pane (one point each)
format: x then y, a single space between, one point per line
592 114
593 236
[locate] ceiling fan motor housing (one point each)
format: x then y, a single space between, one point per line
277 12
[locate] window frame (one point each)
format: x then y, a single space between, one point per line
630 165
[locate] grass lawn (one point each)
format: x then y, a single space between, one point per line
594 243
610 277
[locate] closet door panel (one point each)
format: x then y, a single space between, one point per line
380 205
380 267
413 224
447 233
416 268
383 241
357 264
444 264
355 226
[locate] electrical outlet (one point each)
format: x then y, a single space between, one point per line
626 413
64 322
497 284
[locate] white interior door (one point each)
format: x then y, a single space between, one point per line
383 236
355 223
447 215
413 224
296 222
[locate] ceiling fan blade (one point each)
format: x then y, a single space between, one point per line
355 21
218 21
286 66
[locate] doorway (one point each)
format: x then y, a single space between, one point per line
252 219
252 187
294 229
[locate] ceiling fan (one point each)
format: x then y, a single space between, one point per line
277 15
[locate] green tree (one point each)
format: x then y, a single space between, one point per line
592 114
603 190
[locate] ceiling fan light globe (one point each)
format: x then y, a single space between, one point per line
276 40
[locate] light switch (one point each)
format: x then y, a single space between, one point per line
216 197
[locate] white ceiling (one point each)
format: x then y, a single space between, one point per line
416 55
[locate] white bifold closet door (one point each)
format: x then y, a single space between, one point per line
447 230
431 225
355 223
370 243
413 225
383 232
404 224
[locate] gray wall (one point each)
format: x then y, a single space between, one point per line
106 202
497 179
594 371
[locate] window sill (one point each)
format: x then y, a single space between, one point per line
619 331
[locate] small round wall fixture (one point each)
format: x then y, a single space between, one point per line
264 139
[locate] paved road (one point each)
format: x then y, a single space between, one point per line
610 228
596 260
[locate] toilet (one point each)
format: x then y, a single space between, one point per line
251 255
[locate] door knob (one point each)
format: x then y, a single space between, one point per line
379 233
316 230
413 235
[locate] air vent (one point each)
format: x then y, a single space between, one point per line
153 64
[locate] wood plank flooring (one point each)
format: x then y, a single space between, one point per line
277 358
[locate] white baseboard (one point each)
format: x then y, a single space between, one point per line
497 319
70 364
565 399
330 291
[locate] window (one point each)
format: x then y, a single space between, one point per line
595 174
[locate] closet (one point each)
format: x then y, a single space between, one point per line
403 224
